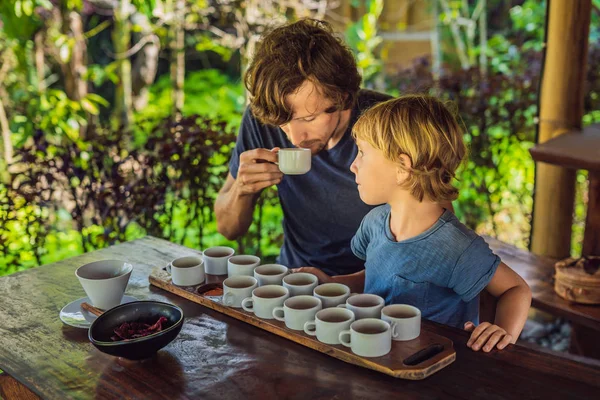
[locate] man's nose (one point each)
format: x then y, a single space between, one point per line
295 133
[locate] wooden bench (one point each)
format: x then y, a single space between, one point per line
538 272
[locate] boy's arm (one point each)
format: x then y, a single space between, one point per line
514 300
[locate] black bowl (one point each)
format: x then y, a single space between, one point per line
139 311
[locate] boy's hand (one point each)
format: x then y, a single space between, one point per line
487 336
323 277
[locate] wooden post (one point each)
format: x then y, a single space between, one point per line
561 109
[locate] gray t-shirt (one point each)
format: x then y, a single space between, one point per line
441 271
321 209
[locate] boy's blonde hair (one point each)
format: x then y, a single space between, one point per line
424 129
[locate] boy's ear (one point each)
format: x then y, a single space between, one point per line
405 161
403 170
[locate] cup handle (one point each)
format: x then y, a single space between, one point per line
276 314
246 304
169 268
342 336
310 328
228 299
343 305
395 333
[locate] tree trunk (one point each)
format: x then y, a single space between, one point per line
121 40
75 85
6 144
7 149
561 110
483 39
146 62
178 58
39 60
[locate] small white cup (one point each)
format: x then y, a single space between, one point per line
294 161
369 337
404 319
270 274
242 265
104 282
297 311
364 305
328 324
186 271
215 259
264 299
332 294
236 289
300 283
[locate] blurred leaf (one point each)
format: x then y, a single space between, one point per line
89 107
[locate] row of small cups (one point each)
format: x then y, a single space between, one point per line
328 311
191 270
220 260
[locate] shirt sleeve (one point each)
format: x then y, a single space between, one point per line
474 270
248 139
360 240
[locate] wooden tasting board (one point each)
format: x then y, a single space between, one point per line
430 352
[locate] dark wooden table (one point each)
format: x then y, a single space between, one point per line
217 357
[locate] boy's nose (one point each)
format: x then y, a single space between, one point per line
353 167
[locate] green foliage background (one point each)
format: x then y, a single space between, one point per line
496 183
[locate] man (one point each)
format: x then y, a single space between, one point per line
304 91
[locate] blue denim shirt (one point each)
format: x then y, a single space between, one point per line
441 271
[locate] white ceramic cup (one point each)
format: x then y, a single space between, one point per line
297 311
242 265
369 337
186 271
328 324
294 161
215 259
270 274
300 283
104 282
364 305
332 294
404 319
236 289
264 299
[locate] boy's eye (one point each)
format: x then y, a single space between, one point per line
308 119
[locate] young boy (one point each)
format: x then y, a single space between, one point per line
416 251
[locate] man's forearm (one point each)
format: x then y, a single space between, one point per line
356 281
233 213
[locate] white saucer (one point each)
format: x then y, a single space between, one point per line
73 315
